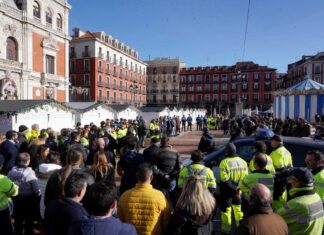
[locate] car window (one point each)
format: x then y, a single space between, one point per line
245 151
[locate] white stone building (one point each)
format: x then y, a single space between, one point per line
34 49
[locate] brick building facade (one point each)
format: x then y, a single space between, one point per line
309 67
34 49
104 69
220 87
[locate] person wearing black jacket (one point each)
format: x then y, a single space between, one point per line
61 213
151 152
166 169
207 142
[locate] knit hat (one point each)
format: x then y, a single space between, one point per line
22 128
303 175
205 130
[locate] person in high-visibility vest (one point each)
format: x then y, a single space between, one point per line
7 190
261 147
304 212
259 175
280 156
232 170
282 161
33 133
197 167
315 162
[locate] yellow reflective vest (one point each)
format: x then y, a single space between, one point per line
269 166
281 158
206 175
319 184
303 214
233 168
261 177
7 190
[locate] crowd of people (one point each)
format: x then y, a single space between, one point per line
66 183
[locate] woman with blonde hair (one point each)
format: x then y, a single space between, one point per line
194 209
102 169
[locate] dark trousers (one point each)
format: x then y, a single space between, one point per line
5 222
189 126
24 213
141 140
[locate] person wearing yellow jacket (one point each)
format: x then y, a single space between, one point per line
33 133
315 162
232 170
303 213
280 156
282 161
260 175
143 206
261 147
7 190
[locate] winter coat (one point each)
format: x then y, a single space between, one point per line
10 152
60 214
262 221
93 226
166 163
129 163
150 153
26 179
182 223
207 143
146 208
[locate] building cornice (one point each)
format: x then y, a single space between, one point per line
76 40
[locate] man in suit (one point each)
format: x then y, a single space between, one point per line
9 149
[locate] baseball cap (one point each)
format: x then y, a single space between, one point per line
303 175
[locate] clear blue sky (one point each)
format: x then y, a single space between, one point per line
209 32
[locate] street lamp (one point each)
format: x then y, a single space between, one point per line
133 88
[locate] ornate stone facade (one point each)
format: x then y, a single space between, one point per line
34 49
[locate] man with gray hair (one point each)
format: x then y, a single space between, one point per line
261 219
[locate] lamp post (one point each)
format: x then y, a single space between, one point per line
133 88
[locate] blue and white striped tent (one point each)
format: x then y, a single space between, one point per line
302 100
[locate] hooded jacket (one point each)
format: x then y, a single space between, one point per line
207 143
26 179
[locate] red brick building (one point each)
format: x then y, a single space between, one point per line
222 86
103 69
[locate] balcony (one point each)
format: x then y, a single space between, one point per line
86 69
101 98
86 83
107 71
164 90
100 83
175 90
115 74
256 88
108 59
100 56
101 70
85 54
115 61
108 85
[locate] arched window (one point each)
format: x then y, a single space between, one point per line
49 16
12 49
59 22
36 9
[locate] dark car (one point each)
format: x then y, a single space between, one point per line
298 148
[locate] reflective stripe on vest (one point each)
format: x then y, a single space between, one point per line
313 209
266 181
236 164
